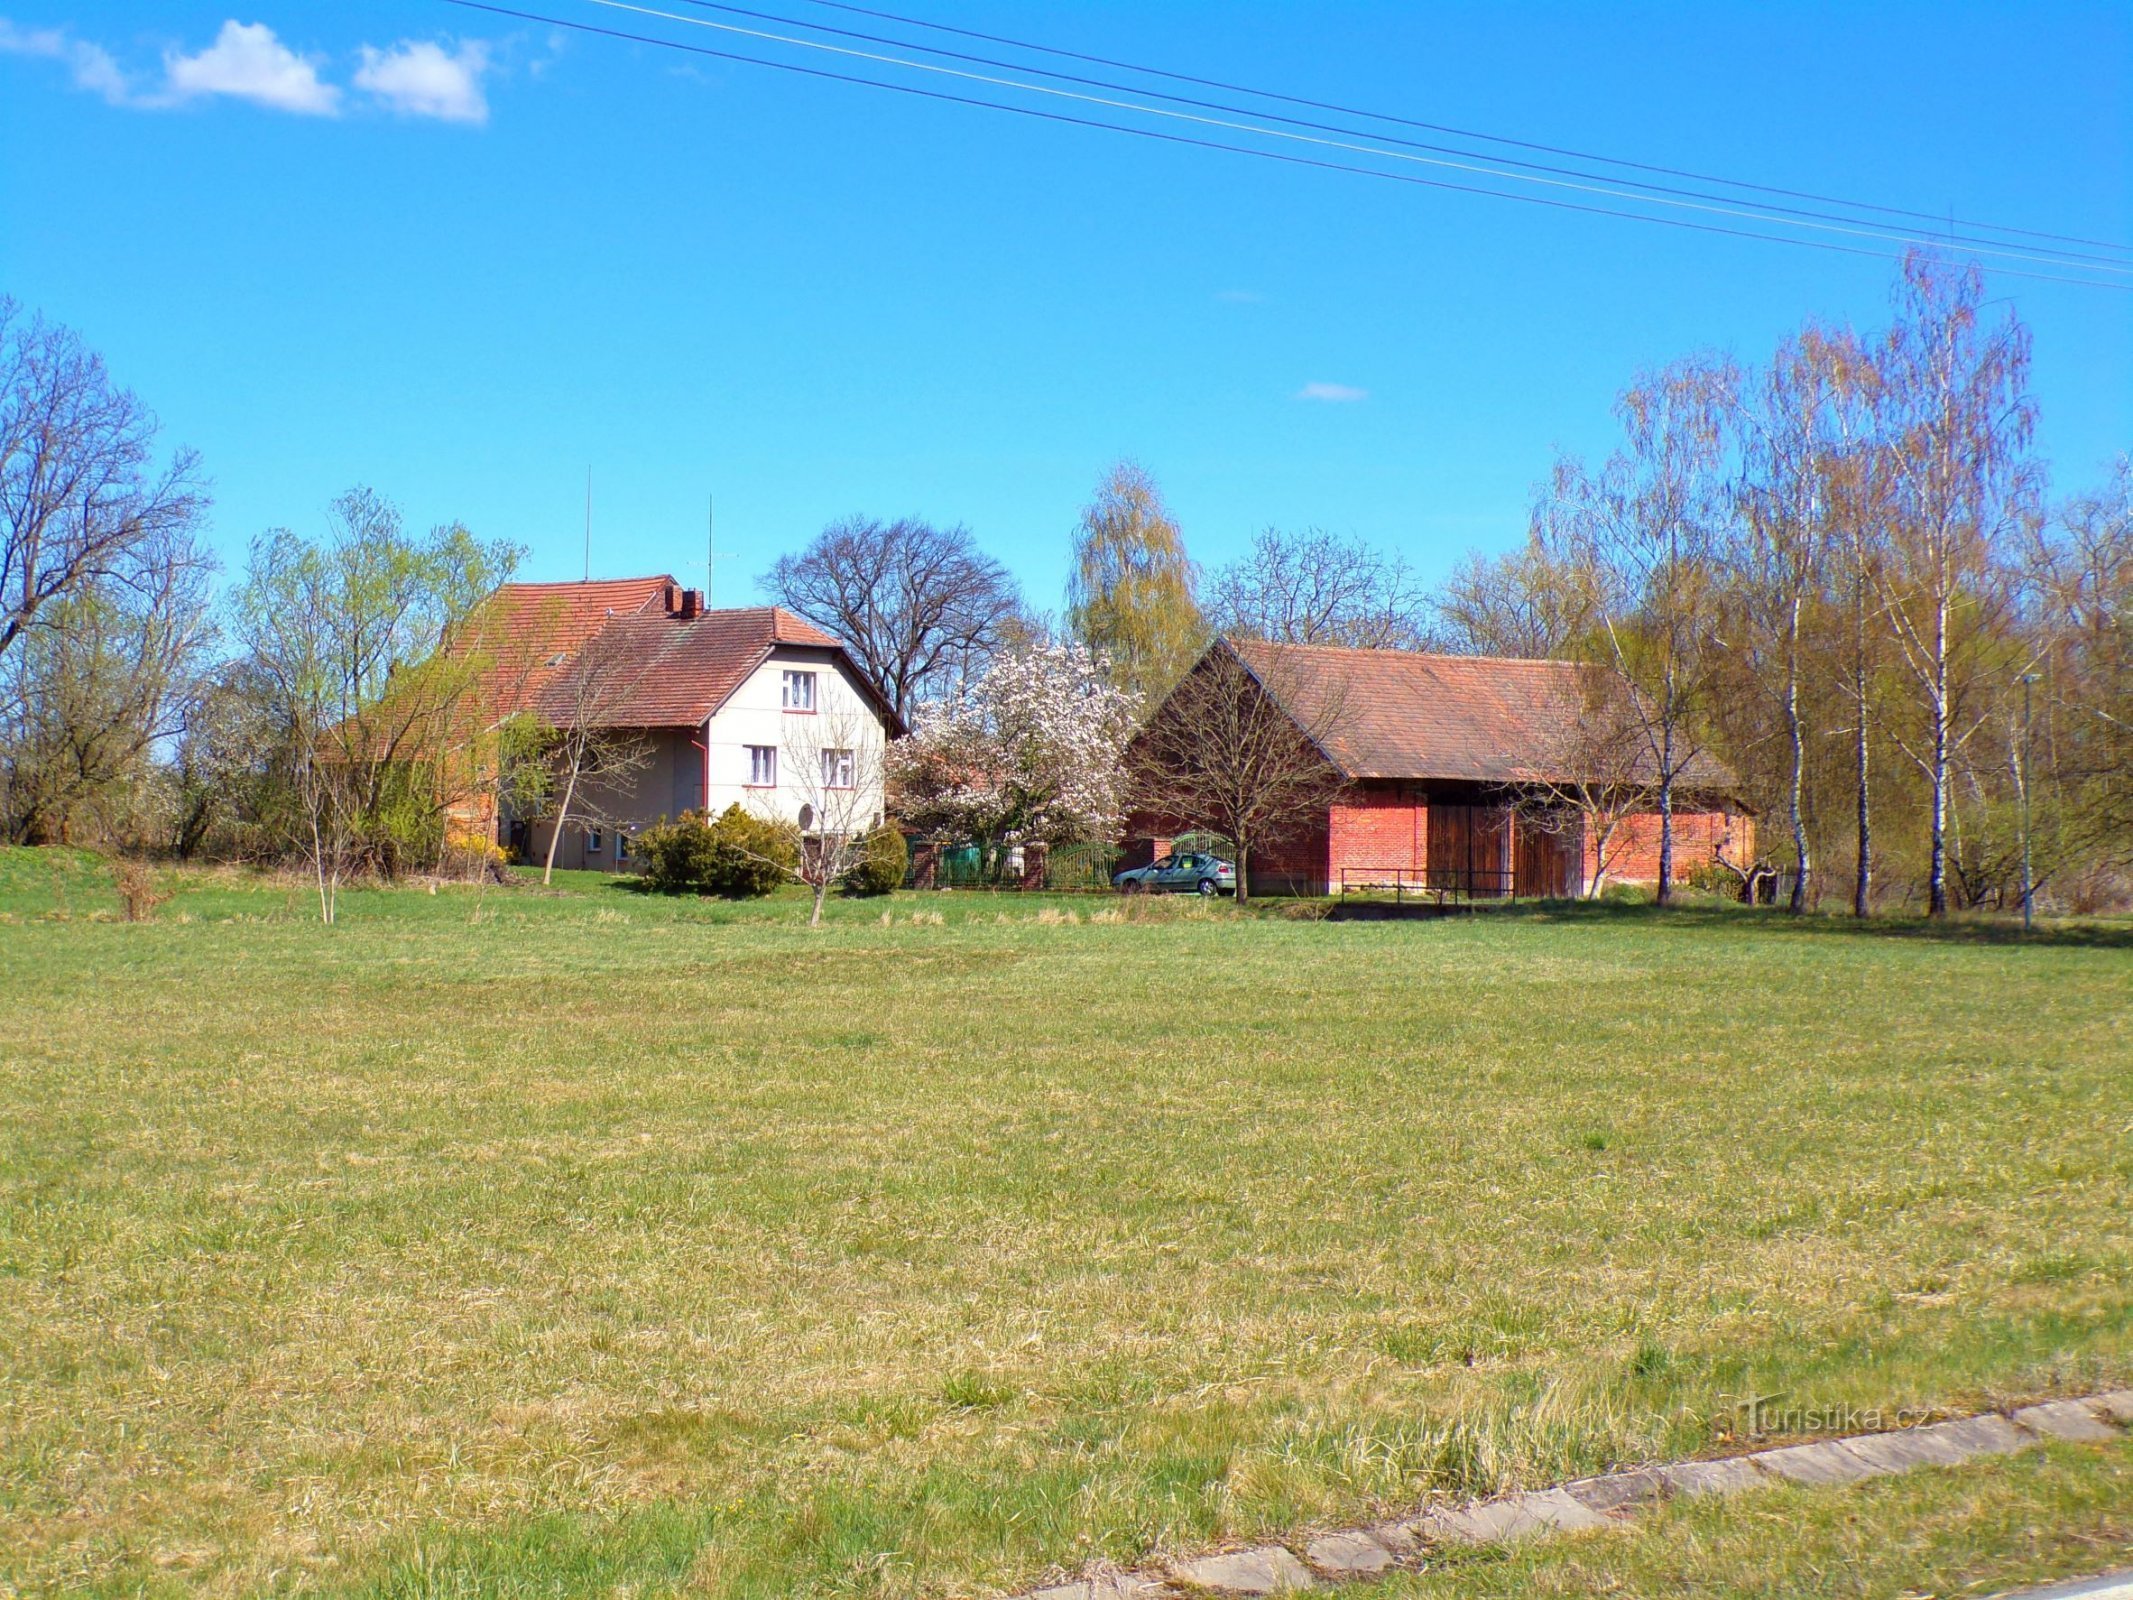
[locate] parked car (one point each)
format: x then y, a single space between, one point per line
1187 870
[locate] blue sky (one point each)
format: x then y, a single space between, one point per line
459 257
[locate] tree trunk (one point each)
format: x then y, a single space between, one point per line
570 789
821 888
1937 874
1244 859
1803 867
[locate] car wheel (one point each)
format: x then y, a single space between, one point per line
1131 886
1207 886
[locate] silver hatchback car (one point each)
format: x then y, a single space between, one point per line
1182 871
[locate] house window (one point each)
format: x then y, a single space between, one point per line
762 766
837 769
798 693
592 842
622 847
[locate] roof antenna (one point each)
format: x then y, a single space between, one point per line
588 522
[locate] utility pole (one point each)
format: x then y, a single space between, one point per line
2029 680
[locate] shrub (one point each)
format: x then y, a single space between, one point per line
739 856
882 865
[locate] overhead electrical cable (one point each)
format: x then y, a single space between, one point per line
1724 201
1285 158
1447 128
1350 147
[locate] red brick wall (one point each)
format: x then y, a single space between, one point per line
1698 835
1377 828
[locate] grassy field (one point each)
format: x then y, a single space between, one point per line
579 1242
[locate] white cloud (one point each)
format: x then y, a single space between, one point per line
1239 297
1337 393
419 79
247 62
91 64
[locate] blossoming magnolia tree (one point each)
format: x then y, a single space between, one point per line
1030 753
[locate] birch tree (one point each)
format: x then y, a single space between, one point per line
1645 523
1130 591
1954 433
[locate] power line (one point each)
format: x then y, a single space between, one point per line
1446 128
1745 211
1284 158
1761 207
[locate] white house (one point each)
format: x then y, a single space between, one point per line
753 707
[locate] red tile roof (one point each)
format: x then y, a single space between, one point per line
1408 715
669 670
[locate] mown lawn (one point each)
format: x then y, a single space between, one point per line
578 1242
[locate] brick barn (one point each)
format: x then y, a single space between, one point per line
1443 762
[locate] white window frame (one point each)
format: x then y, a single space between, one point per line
762 758
840 769
797 684
592 841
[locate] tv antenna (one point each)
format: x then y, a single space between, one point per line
711 550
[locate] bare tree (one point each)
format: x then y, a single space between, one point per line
1597 774
83 507
578 754
1317 588
1954 436
833 764
1777 565
1536 602
919 606
1239 747
1645 523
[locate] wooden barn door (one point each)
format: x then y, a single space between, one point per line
1470 848
1547 864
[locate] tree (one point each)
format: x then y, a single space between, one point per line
1130 592
2081 567
83 508
352 634
1536 602
1032 752
920 607
833 763
1954 432
1239 748
1317 588
85 695
1596 776
1776 565
1644 524
576 753
226 770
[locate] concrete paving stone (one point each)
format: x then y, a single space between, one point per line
1824 1462
2119 1404
1616 1490
1398 1537
1906 1448
1267 1570
2067 1419
1725 1476
1560 1509
1519 1516
1104 1586
1348 1555
1988 1435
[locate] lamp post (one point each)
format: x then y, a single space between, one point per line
2028 681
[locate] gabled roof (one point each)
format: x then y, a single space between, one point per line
1411 716
665 666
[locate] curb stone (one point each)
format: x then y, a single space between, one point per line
1597 1502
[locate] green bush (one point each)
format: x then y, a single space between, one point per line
882 865
739 856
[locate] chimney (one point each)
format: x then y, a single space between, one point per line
692 603
668 599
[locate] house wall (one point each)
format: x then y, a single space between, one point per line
709 768
1633 852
